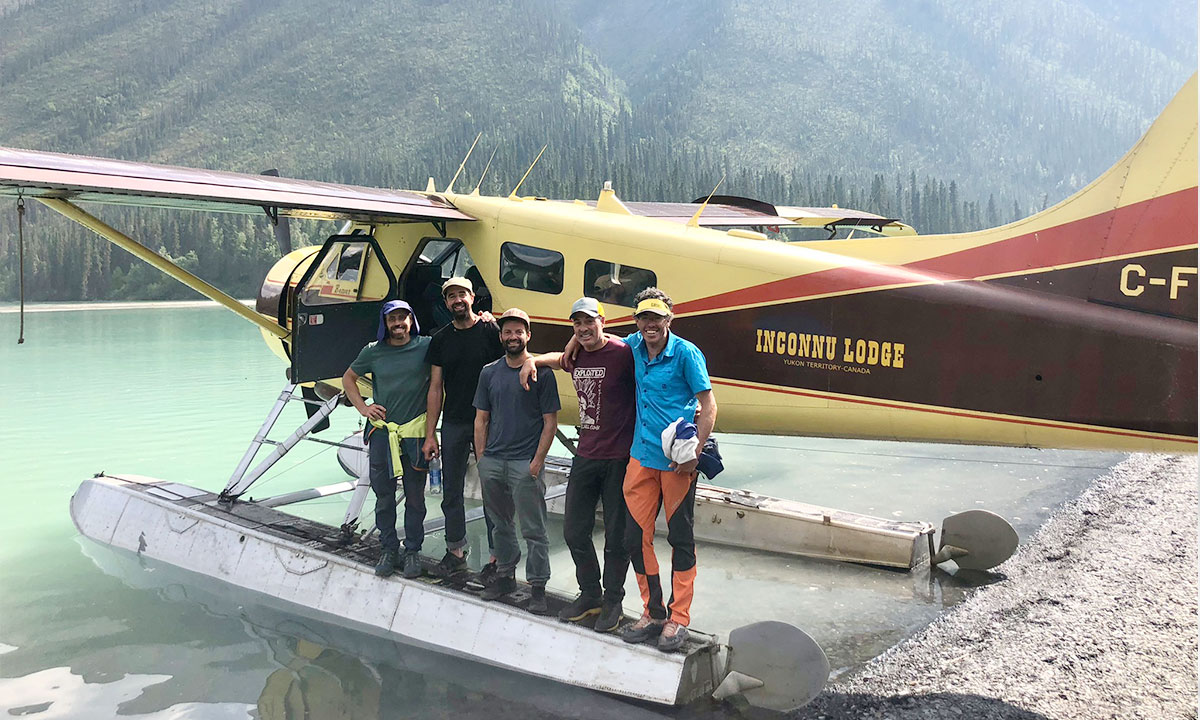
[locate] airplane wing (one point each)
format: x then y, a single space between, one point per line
715 215
836 217
821 216
79 178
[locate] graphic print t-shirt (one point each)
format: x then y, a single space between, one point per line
604 383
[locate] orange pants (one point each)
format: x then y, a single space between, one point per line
646 491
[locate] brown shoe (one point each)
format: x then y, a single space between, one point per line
644 629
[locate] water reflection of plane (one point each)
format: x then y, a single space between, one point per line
331 671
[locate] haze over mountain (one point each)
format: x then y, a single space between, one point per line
1032 94
1019 101
1036 94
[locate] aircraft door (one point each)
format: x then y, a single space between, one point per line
337 304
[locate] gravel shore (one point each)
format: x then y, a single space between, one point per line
1096 619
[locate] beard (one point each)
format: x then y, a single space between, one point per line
461 310
514 348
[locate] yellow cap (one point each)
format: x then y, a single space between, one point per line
652 305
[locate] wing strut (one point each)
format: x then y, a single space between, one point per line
21 261
166 266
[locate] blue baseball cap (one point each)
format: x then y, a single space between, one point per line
392 306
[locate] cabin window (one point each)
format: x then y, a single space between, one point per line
350 274
531 268
614 283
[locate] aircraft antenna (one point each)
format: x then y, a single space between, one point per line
461 165
513 194
485 171
695 221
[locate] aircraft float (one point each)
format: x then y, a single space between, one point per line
1073 328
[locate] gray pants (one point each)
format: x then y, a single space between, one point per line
509 490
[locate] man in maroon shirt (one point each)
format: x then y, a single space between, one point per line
603 377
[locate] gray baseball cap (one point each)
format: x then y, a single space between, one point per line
587 306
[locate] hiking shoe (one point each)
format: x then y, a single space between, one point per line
673 636
387 563
412 565
498 588
537 601
644 629
583 606
609 618
487 573
451 563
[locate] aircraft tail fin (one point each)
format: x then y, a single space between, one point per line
1127 240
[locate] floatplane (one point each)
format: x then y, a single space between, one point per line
1072 328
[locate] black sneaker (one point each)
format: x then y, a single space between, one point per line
487 573
412 565
387 563
451 563
609 618
537 601
582 607
498 588
646 628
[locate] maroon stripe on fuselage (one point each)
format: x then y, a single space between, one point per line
1158 223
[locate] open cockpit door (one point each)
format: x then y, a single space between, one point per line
336 307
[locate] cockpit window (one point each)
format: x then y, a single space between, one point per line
614 283
531 268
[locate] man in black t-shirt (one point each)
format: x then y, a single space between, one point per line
456 355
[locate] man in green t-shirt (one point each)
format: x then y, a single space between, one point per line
396 430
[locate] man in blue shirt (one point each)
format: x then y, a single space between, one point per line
672 384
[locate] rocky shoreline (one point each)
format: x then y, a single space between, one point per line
1096 619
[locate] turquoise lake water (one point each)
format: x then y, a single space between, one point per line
177 393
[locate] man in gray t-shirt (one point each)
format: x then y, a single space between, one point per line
513 432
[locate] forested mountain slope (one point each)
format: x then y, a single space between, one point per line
301 84
951 116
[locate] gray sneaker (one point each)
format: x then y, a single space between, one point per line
609 618
646 628
412 565
673 636
387 563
